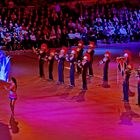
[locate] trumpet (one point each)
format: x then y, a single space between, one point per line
103 60
36 50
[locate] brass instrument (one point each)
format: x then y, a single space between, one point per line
39 51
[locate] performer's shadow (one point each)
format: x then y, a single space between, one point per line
64 95
80 97
4 132
126 117
66 92
13 125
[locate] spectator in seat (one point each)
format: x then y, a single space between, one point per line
33 39
53 37
123 33
58 34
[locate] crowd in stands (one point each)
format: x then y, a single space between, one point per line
24 27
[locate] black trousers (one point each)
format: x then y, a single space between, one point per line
90 69
84 80
41 68
50 71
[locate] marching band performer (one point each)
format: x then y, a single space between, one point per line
138 85
61 60
79 55
127 55
84 66
51 62
72 60
126 83
105 61
91 52
121 64
123 61
42 53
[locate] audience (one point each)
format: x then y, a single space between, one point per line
24 27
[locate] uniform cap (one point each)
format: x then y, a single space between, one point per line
107 54
92 45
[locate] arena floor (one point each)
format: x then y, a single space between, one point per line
46 111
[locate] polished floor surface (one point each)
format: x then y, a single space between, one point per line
47 111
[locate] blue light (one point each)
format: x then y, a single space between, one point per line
4 66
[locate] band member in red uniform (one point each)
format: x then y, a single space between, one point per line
72 59
105 61
79 55
12 93
42 54
51 63
91 52
61 59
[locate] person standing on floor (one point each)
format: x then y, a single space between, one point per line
61 59
51 63
91 52
79 55
105 61
127 55
42 54
126 83
72 59
84 66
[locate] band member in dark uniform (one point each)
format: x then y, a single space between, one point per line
126 83
51 62
84 66
91 51
138 85
42 53
61 59
105 61
127 55
72 59
79 55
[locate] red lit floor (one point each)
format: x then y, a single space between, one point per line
46 111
